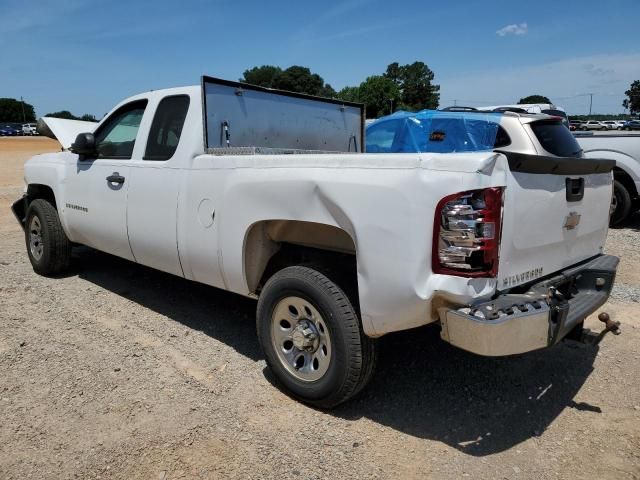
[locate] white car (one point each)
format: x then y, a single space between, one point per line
593 125
610 124
267 194
29 129
625 150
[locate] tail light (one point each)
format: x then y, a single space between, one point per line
466 235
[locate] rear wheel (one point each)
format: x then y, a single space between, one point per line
620 204
48 247
312 338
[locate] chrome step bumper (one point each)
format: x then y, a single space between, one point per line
540 317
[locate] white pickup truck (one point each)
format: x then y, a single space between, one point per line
625 150
268 194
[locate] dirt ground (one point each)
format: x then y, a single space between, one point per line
116 371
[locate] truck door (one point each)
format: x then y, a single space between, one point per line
96 189
155 186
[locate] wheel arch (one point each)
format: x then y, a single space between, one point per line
625 179
42 191
270 245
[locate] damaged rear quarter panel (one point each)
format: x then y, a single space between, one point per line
384 202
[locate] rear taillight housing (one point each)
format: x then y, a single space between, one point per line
466 234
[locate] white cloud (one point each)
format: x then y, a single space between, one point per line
513 29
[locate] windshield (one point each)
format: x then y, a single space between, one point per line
437 132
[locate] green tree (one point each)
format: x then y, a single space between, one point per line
263 76
378 93
415 82
87 117
299 79
349 94
293 79
534 99
66 114
632 102
12 110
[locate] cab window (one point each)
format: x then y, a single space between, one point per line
117 136
166 128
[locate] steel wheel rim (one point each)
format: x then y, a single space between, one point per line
35 238
301 339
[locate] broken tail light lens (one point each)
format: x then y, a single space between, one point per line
466 237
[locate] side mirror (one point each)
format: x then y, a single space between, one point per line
85 145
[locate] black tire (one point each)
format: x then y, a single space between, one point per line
352 354
620 203
51 253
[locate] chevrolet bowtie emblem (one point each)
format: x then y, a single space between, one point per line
572 221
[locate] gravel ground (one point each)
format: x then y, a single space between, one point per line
116 371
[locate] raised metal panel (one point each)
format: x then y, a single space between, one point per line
242 115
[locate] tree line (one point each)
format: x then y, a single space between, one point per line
19 111
400 87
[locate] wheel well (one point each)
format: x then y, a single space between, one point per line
273 245
624 178
44 192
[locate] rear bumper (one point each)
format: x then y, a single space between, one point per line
540 317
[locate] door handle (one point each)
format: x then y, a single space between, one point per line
115 177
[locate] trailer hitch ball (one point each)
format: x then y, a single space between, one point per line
610 325
589 337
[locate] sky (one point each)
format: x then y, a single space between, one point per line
87 55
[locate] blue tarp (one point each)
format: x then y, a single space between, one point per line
433 131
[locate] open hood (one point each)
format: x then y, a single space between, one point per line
65 131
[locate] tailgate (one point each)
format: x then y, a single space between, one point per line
556 214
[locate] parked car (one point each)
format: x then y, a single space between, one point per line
9 130
610 124
593 125
631 125
620 124
29 129
492 233
574 125
625 150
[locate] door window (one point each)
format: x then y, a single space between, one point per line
117 136
166 127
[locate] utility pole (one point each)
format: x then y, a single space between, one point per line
590 102
390 106
24 118
455 103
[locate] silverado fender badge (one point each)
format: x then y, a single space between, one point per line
77 207
572 221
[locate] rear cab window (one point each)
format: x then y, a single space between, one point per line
166 128
556 139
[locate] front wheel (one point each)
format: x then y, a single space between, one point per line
312 338
48 247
